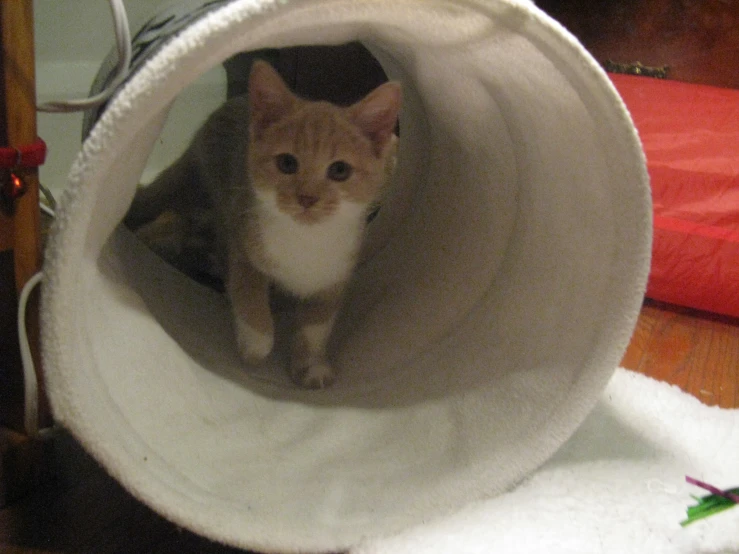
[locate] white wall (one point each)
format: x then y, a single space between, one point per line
73 37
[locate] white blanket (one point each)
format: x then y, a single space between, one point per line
616 487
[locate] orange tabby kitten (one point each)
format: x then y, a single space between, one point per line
283 185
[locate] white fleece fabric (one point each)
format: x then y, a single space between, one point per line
618 485
498 288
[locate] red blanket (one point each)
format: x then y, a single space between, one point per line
691 139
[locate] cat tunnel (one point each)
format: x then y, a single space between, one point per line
497 291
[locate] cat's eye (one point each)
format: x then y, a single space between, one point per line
339 171
287 163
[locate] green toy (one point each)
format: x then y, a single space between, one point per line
711 504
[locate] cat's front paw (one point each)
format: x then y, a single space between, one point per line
254 346
318 375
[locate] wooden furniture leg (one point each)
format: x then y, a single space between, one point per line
20 250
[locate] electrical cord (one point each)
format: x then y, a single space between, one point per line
30 383
30 380
123 45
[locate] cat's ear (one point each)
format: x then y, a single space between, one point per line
377 114
269 97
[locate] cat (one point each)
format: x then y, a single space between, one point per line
277 189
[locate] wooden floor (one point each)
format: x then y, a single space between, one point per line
78 509
697 351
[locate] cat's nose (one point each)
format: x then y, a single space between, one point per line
307 200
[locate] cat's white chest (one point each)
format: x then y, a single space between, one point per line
309 258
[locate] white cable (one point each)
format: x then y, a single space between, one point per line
46 209
30 383
123 44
